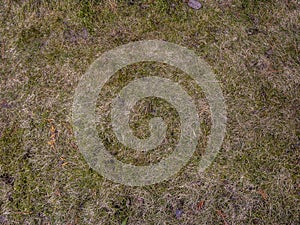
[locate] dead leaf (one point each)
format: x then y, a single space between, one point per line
64 164
53 134
51 143
263 194
200 204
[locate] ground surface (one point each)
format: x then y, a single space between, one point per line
252 46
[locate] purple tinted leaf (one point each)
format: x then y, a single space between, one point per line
194 4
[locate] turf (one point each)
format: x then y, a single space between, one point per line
253 48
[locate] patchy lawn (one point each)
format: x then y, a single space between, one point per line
252 46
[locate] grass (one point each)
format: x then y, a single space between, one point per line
253 48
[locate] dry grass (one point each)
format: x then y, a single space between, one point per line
252 46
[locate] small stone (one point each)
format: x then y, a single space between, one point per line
4 104
194 4
178 213
3 219
85 33
269 52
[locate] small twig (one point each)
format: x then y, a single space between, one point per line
21 213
